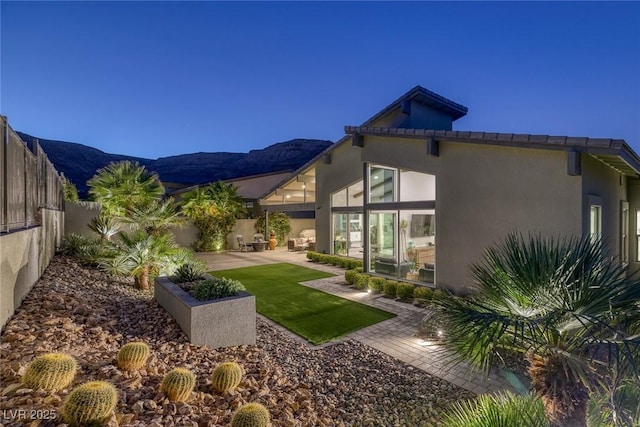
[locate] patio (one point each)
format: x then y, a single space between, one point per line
394 337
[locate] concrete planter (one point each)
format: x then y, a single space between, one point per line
224 322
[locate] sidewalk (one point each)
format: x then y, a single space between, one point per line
394 337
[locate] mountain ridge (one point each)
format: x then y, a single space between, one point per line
79 162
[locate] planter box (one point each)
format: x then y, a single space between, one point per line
224 322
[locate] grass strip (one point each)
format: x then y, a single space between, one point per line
317 316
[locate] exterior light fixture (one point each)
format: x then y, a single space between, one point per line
440 333
288 196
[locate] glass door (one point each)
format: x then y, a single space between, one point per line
383 242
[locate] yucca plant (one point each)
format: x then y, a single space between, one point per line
105 226
563 304
503 409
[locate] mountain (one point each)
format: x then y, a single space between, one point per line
79 162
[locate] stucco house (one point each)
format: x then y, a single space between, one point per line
419 201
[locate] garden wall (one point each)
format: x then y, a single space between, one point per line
79 214
24 255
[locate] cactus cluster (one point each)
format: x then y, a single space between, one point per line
178 384
251 415
51 372
133 356
226 377
90 404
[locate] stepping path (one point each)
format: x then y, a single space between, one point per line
395 337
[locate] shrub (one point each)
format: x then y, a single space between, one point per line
216 288
340 261
350 277
90 404
439 294
376 284
279 223
362 281
359 269
51 372
390 288
404 291
189 272
423 293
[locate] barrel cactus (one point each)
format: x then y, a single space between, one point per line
226 377
251 415
90 404
51 372
133 356
178 384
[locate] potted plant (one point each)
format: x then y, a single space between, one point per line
216 312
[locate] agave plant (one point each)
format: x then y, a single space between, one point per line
503 409
564 305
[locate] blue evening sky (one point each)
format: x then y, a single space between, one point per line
154 79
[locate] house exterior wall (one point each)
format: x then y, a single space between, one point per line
345 168
482 193
634 226
601 181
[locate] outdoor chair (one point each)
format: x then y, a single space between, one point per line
244 246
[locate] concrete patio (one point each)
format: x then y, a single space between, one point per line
395 337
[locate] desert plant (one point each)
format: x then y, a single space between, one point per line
133 356
279 223
404 291
178 384
390 288
90 404
142 256
105 226
251 415
73 244
226 376
563 304
214 210
51 372
121 186
502 409
216 288
155 217
189 272
376 284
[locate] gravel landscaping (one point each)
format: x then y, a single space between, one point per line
90 315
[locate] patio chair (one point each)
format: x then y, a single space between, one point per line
244 246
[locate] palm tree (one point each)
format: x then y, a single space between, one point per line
155 217
121 186
563 304
142 256
502 409
214 210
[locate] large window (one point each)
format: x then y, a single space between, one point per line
382 184
347 234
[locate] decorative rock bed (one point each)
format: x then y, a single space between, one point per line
89 315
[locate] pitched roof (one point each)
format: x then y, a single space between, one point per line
614 152
425 97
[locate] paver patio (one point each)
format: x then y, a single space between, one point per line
395 337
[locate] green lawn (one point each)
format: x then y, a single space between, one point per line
315 315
